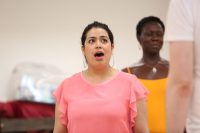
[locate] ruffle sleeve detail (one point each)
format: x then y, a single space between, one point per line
137 92
58 94
133 108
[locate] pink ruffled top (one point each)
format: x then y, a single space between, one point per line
109 107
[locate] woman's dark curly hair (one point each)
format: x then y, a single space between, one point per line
96 24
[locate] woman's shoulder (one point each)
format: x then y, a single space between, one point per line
164 62
127 76
71 78
68 82
130 69
163 65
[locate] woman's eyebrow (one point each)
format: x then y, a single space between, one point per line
104 37
90 37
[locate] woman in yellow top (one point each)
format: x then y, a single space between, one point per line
152 70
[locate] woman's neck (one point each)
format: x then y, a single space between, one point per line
99 75
98 71
151 59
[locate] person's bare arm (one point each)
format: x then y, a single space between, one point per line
58 126
179 88
141 124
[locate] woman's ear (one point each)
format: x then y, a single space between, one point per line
112 46
138 38
140 43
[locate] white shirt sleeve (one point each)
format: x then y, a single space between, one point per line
179 26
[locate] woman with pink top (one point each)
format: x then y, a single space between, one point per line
100 99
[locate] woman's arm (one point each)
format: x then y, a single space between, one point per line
179 89
58 126
141 124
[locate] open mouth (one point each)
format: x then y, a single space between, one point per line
99 55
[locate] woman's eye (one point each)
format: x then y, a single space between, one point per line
104 40
159 34
148 34
151 34
91 41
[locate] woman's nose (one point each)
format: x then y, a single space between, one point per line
155 37
98 44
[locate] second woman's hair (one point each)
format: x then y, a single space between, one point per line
146 20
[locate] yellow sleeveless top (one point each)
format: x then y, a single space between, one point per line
156 104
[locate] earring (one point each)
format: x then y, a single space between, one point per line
139 47
84 62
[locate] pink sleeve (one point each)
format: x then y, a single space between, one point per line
138 92
58 94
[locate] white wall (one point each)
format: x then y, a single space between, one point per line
49 31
